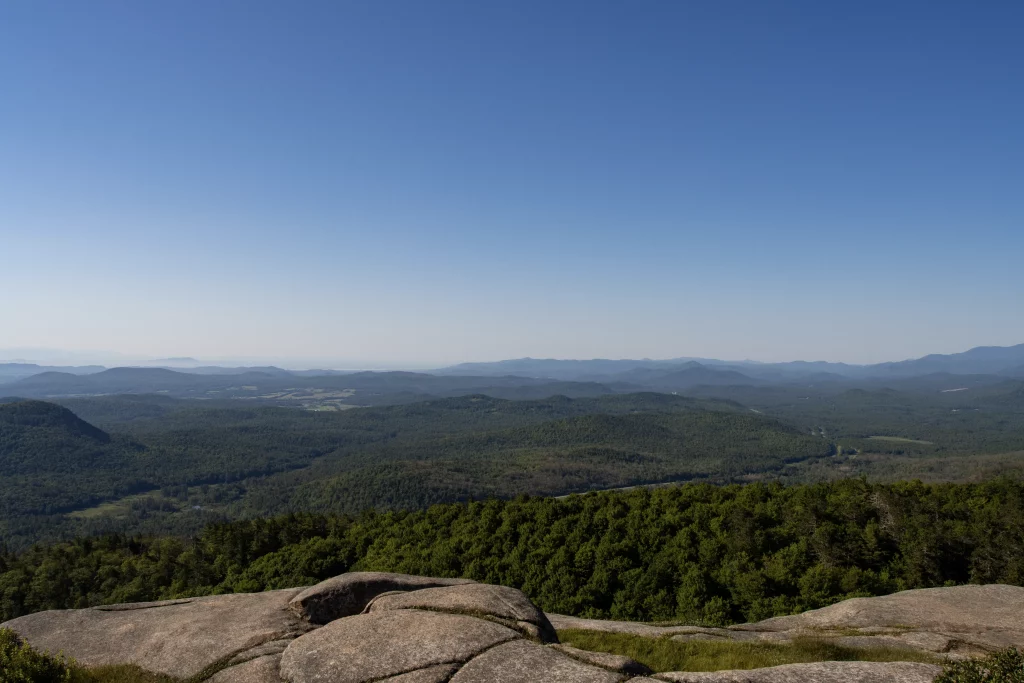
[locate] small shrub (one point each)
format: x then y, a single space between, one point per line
19 663
1005 666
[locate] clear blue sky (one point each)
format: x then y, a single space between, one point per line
407 182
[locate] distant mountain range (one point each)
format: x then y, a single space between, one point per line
522 378
10 372
1005 361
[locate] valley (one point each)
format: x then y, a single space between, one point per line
146 450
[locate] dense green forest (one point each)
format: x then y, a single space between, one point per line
157 464
167 465
986 419
695 553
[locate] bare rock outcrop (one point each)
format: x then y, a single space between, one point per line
953 622
819 672
958 620
180 638
370 647
611 662
348 594
494 602
521 661
363 627
265 669
369 627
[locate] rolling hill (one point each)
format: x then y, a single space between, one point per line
185 462
686 377
12 372
576 454
982 360
52 461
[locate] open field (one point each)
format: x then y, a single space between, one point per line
900 439
122 507
185 499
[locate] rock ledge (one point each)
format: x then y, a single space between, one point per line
370 627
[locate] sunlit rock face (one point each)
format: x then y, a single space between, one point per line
367 627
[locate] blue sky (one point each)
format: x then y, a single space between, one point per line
416 183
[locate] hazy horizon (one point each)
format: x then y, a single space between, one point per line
414 184
64 357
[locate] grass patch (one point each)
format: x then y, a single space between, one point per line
665 654
900 439
122 507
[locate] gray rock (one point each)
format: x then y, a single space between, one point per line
259 670
369 647
349 594
970 642
957 608
956 622
524 662
476 599
617 663
545 635
820 672
916 640
178 637
636 628
417 631
433 674
274 647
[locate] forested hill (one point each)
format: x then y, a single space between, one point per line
548 458
434 415
51 461
162 464
167 464
24 420
696 553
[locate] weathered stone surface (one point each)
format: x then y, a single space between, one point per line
432 674
475 598
524 662
930 642
820 672
349 594
274 647
260 670
372 646
415 631
604 660
636 628
177 637
958 608
546 635
956 622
